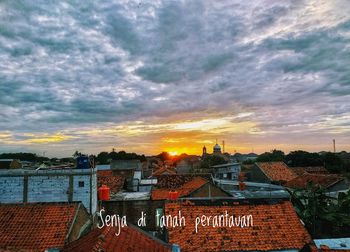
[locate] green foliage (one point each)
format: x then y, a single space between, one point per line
333 162
303 158
210 160
274 155
164 156
105 157
32 157
323 216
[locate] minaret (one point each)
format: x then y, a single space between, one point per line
223 146
204 151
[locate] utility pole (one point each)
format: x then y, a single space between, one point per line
334 145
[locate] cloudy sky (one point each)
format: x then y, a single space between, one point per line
174 75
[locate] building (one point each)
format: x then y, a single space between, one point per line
49 185
130 238
271 172
41 226
10 164
196 187
188 164
330 182
217 149
336 244
133 164
228 171
309 169
114 182
260 225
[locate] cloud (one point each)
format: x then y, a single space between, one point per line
71 67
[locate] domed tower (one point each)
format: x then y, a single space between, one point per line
217 149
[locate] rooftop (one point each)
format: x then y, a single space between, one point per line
183 190
323 180
130 239
35 226
177 180
114 182
276 226
276 171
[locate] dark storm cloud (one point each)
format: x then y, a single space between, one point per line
70 64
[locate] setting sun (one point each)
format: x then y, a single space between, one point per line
172 153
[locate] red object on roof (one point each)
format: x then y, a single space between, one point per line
277 171
276 226
114 182
322 180
184 190
173 195
129 239
103 193
35 226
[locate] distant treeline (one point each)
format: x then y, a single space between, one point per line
105 157
333 162
23 156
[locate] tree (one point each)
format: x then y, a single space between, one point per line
303 158
164 156
274 155
210 160
333 162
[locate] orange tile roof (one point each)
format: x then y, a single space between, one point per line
129 239
323 180
275 227
35 226
309 169
177 180
183 190
276 171
164 170
114 182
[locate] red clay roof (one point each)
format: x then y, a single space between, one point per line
35 226
177 180
114 182
164 170
277 171
183 190
309 169
275 227
323 180
105 239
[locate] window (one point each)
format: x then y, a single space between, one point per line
81 183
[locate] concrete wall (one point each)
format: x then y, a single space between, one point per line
63 185
256 175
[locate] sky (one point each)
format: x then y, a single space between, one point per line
146 76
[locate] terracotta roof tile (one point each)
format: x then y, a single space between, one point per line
183 190
129 239
309 169
164 170
275 227
177 180
323 180
35 226
108 178
277 171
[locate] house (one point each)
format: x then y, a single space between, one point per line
188 164
228 171
330 182
133 164
271 172
10 164
164 170
41 226
197 187
335 244
309 169
49 185
130 238
114 182
256 226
